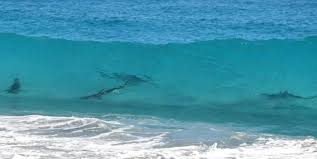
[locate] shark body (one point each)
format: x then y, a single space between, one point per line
15 88
103 92
285 95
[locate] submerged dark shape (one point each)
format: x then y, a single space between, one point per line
130 79
285 95
15 88
103 92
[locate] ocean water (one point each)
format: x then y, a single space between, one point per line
160 21
204 66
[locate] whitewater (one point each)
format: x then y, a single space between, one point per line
114 137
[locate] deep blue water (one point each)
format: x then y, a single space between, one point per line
204 66
160 21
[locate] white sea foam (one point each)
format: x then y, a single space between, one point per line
39 137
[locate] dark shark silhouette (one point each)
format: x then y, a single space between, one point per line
285 95
15 87
103 92
131 80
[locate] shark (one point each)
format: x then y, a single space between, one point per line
15 87
130 79
103 92
285 95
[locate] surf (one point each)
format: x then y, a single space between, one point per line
118 136
212 81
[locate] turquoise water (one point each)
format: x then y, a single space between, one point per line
203 93
204 71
